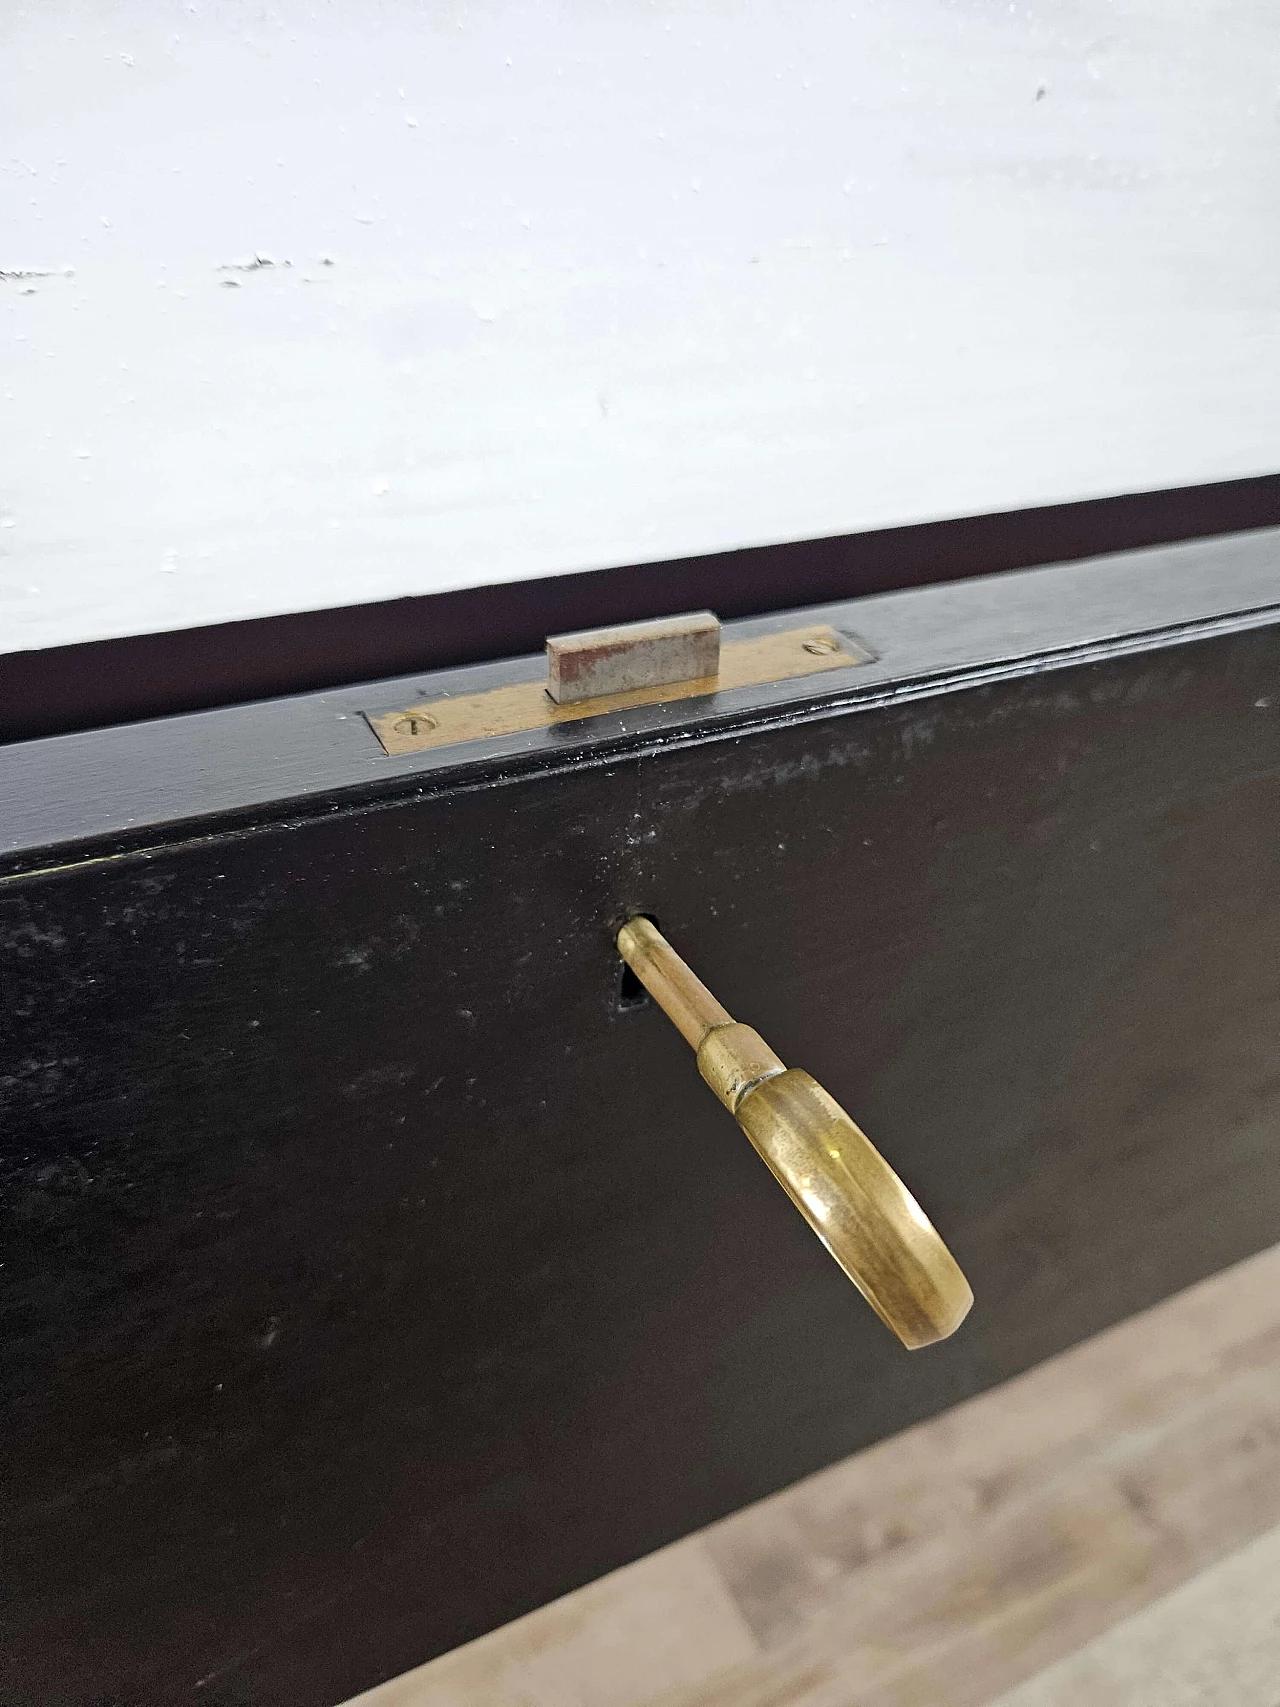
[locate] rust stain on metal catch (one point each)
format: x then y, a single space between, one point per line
595 662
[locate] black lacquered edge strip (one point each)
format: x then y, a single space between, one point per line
66 688
484 765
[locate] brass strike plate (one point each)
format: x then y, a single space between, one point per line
528 705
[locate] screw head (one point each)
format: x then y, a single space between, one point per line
821 647
415 723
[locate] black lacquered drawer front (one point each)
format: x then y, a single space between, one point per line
377 1273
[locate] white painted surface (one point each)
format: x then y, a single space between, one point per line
609 281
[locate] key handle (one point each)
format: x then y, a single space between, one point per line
830 1169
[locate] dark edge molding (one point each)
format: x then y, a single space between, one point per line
67 688
128 790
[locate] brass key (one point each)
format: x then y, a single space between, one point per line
831 1171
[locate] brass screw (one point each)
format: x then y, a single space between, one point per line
415 725
819 647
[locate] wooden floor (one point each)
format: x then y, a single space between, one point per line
1103 1530
1214 1642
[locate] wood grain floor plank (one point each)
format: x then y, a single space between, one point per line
1214 1642
627 1639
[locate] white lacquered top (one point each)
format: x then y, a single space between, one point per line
312 304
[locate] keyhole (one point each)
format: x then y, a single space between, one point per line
631 992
